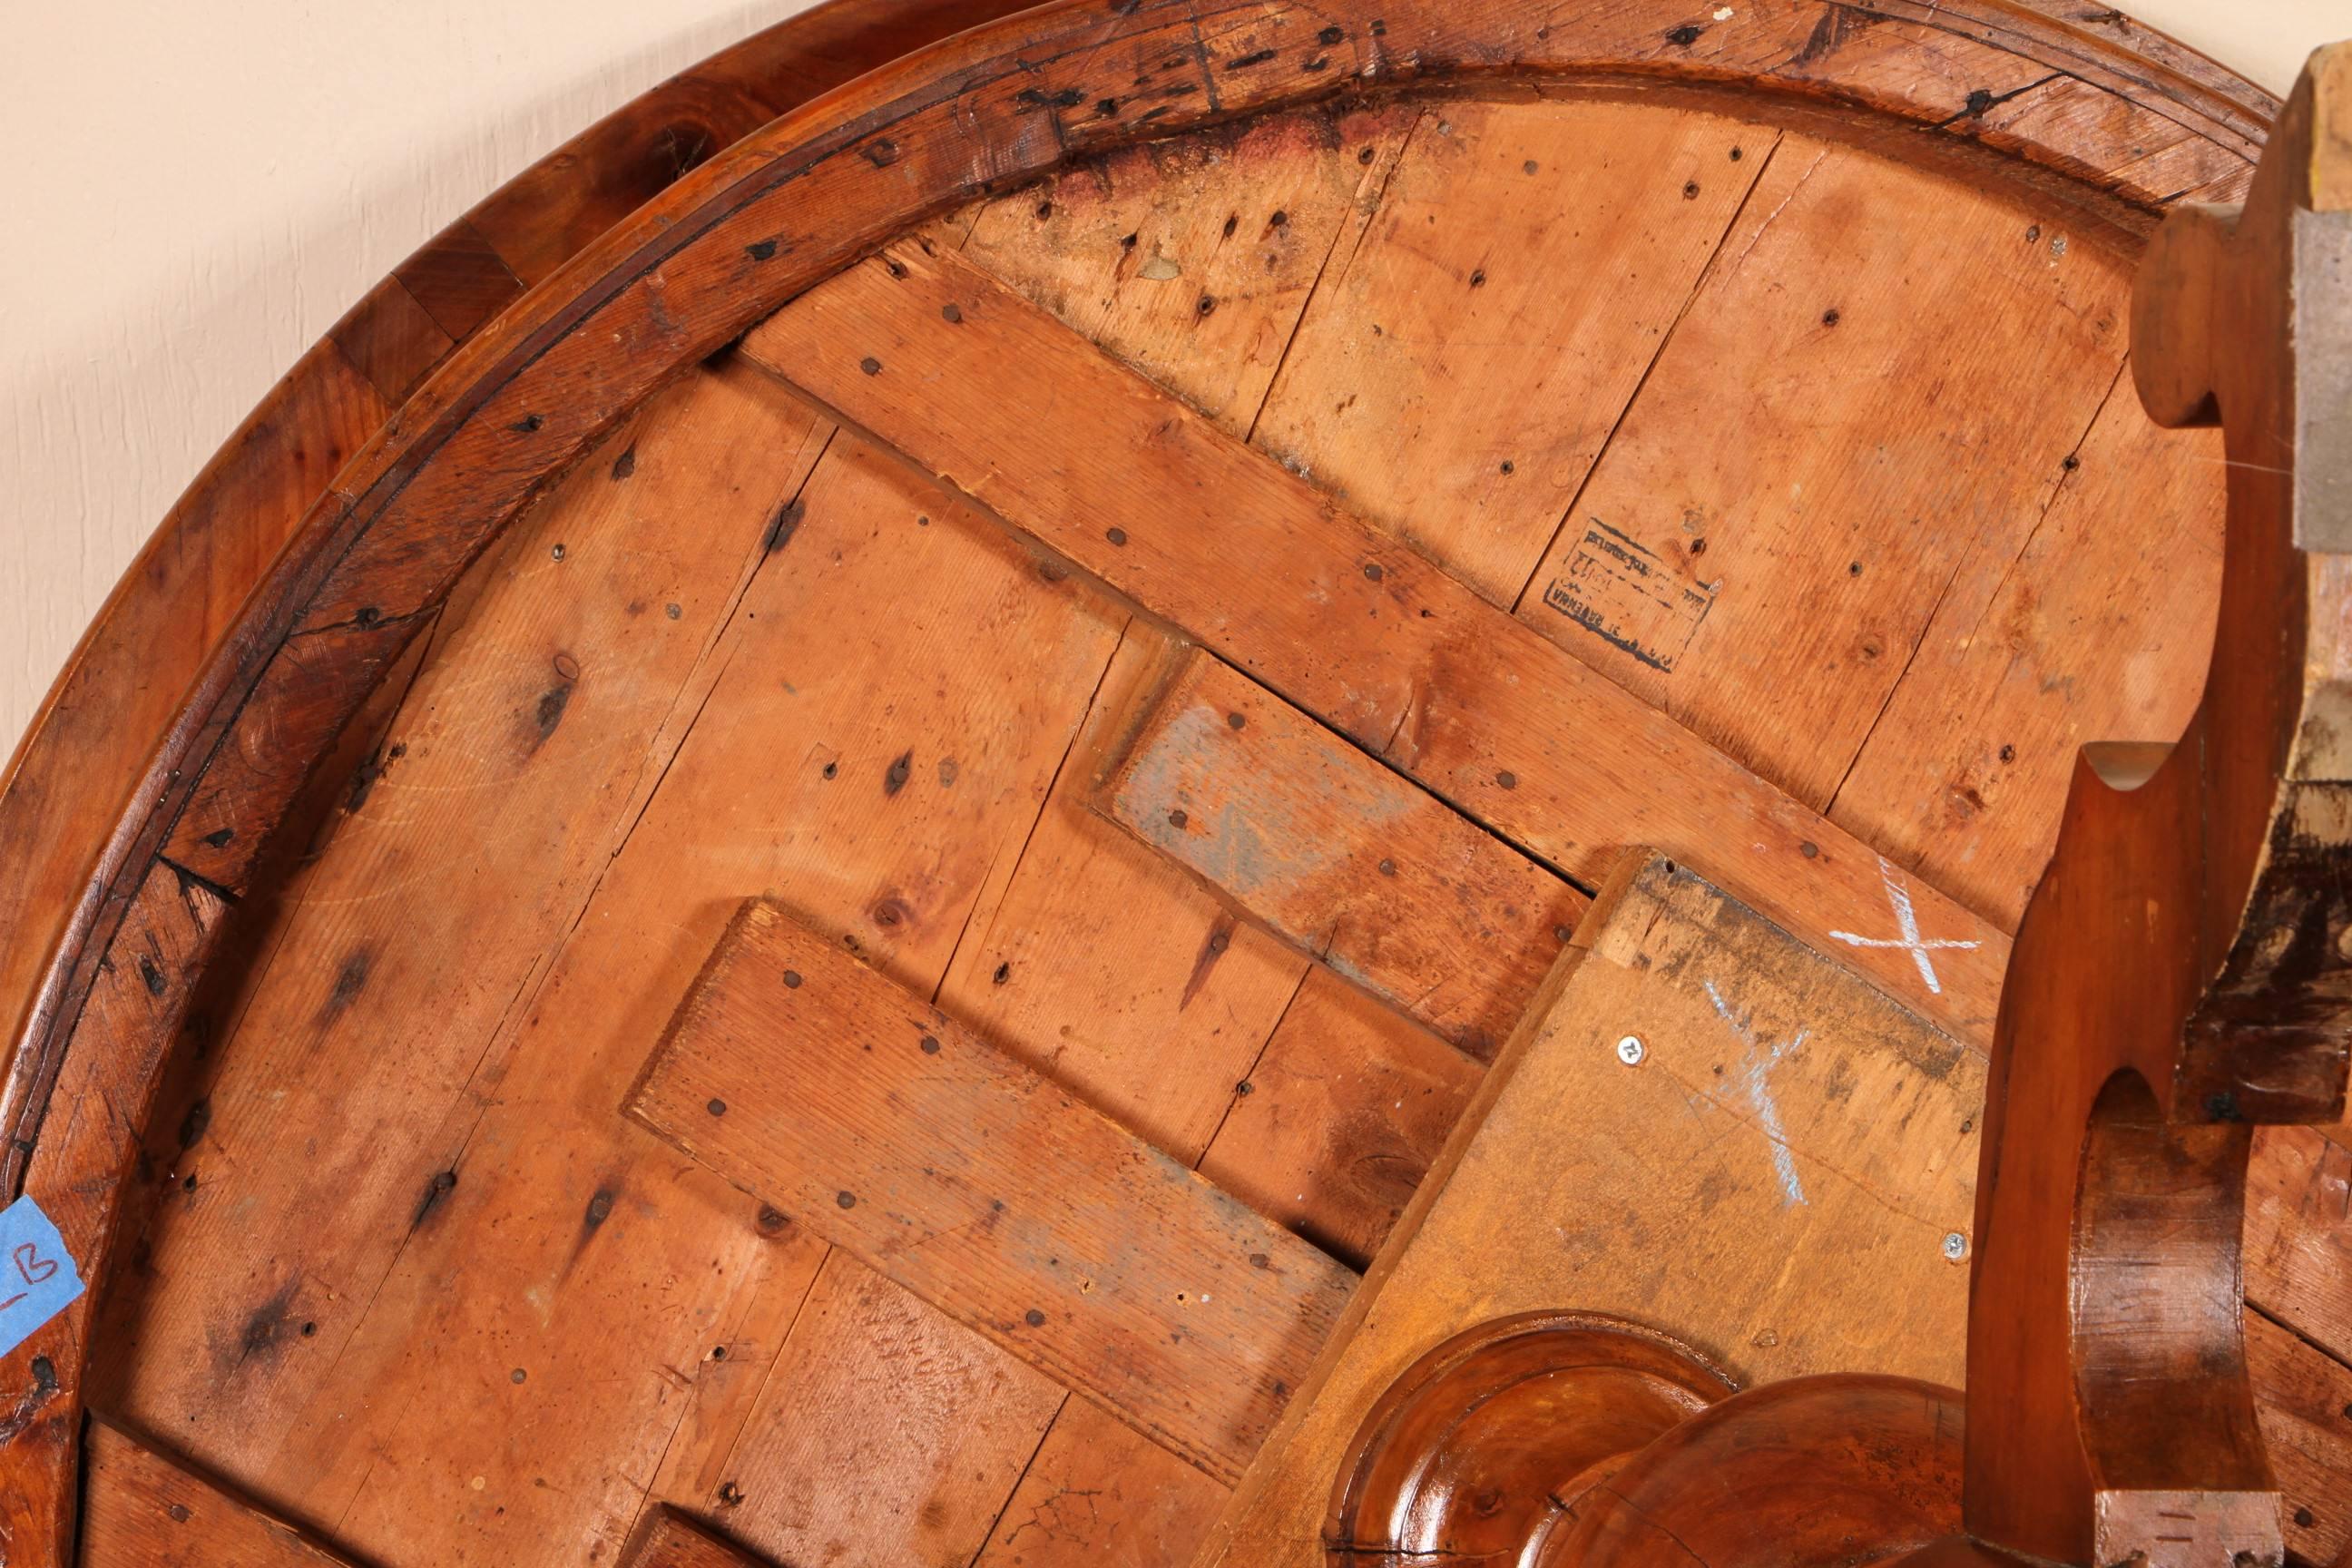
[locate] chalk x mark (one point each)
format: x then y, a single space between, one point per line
1761 1060
1906 926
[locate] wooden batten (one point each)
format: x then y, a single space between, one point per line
819 1086
669 1539
1340 856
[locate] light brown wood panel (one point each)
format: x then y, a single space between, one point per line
2298 1239
354 1046
1340 1119
1340 856
1190 260
1862 414
144 1509
2307 1421
669 1539
2099 630
981 660
734 1372
818 1084
1107 969
823 784
1771 1178
1461 367
1101 1495
1033 421
889 1434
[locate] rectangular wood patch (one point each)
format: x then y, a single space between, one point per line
1340 856
820 1087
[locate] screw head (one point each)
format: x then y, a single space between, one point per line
1956 1246
1630 1050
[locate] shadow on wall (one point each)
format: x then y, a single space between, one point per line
221 186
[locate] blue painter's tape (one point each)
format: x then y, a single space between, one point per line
37 1277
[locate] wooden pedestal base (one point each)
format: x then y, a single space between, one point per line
1569 1440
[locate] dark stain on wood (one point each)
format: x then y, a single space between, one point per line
761 250
443 1184
349 980
894 778
1213 948
786 523
266 1325
624 465
150 976
195 1123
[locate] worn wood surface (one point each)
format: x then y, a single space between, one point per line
80 761
1099 1494
1297 826
1772 1181
1470 354
2196 911
1343 621
146 1511
384 548
1104 967
886 1433
819 1086
671 1541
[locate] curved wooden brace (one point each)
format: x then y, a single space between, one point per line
2185 968
827 182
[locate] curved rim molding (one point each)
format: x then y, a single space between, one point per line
530 393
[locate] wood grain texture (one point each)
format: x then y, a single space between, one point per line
2306 1422
1469 355
818 1086
1099 1494
669 1539
1771 1181
1108 970
2096 631
889 1434
1340 1117
1710 576
345 1092
146 1511
1299 828
375 558
1192 259
981 661
1340 619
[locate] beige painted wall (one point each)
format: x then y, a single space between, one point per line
194 192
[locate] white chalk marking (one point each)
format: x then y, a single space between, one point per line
1760 1061
1906 926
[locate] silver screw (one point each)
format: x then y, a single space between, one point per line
1956 1246
1630 1050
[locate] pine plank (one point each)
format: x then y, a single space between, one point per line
1340 856
2299 1233
1772 1181
144 1509
1868 451
823 780
1101 1495
1192 259
1343 622
1463 365
889 1434
2307 1421
981 660
815 1082
1340 1118
2099 630
669 1539
1107 968
326 1125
